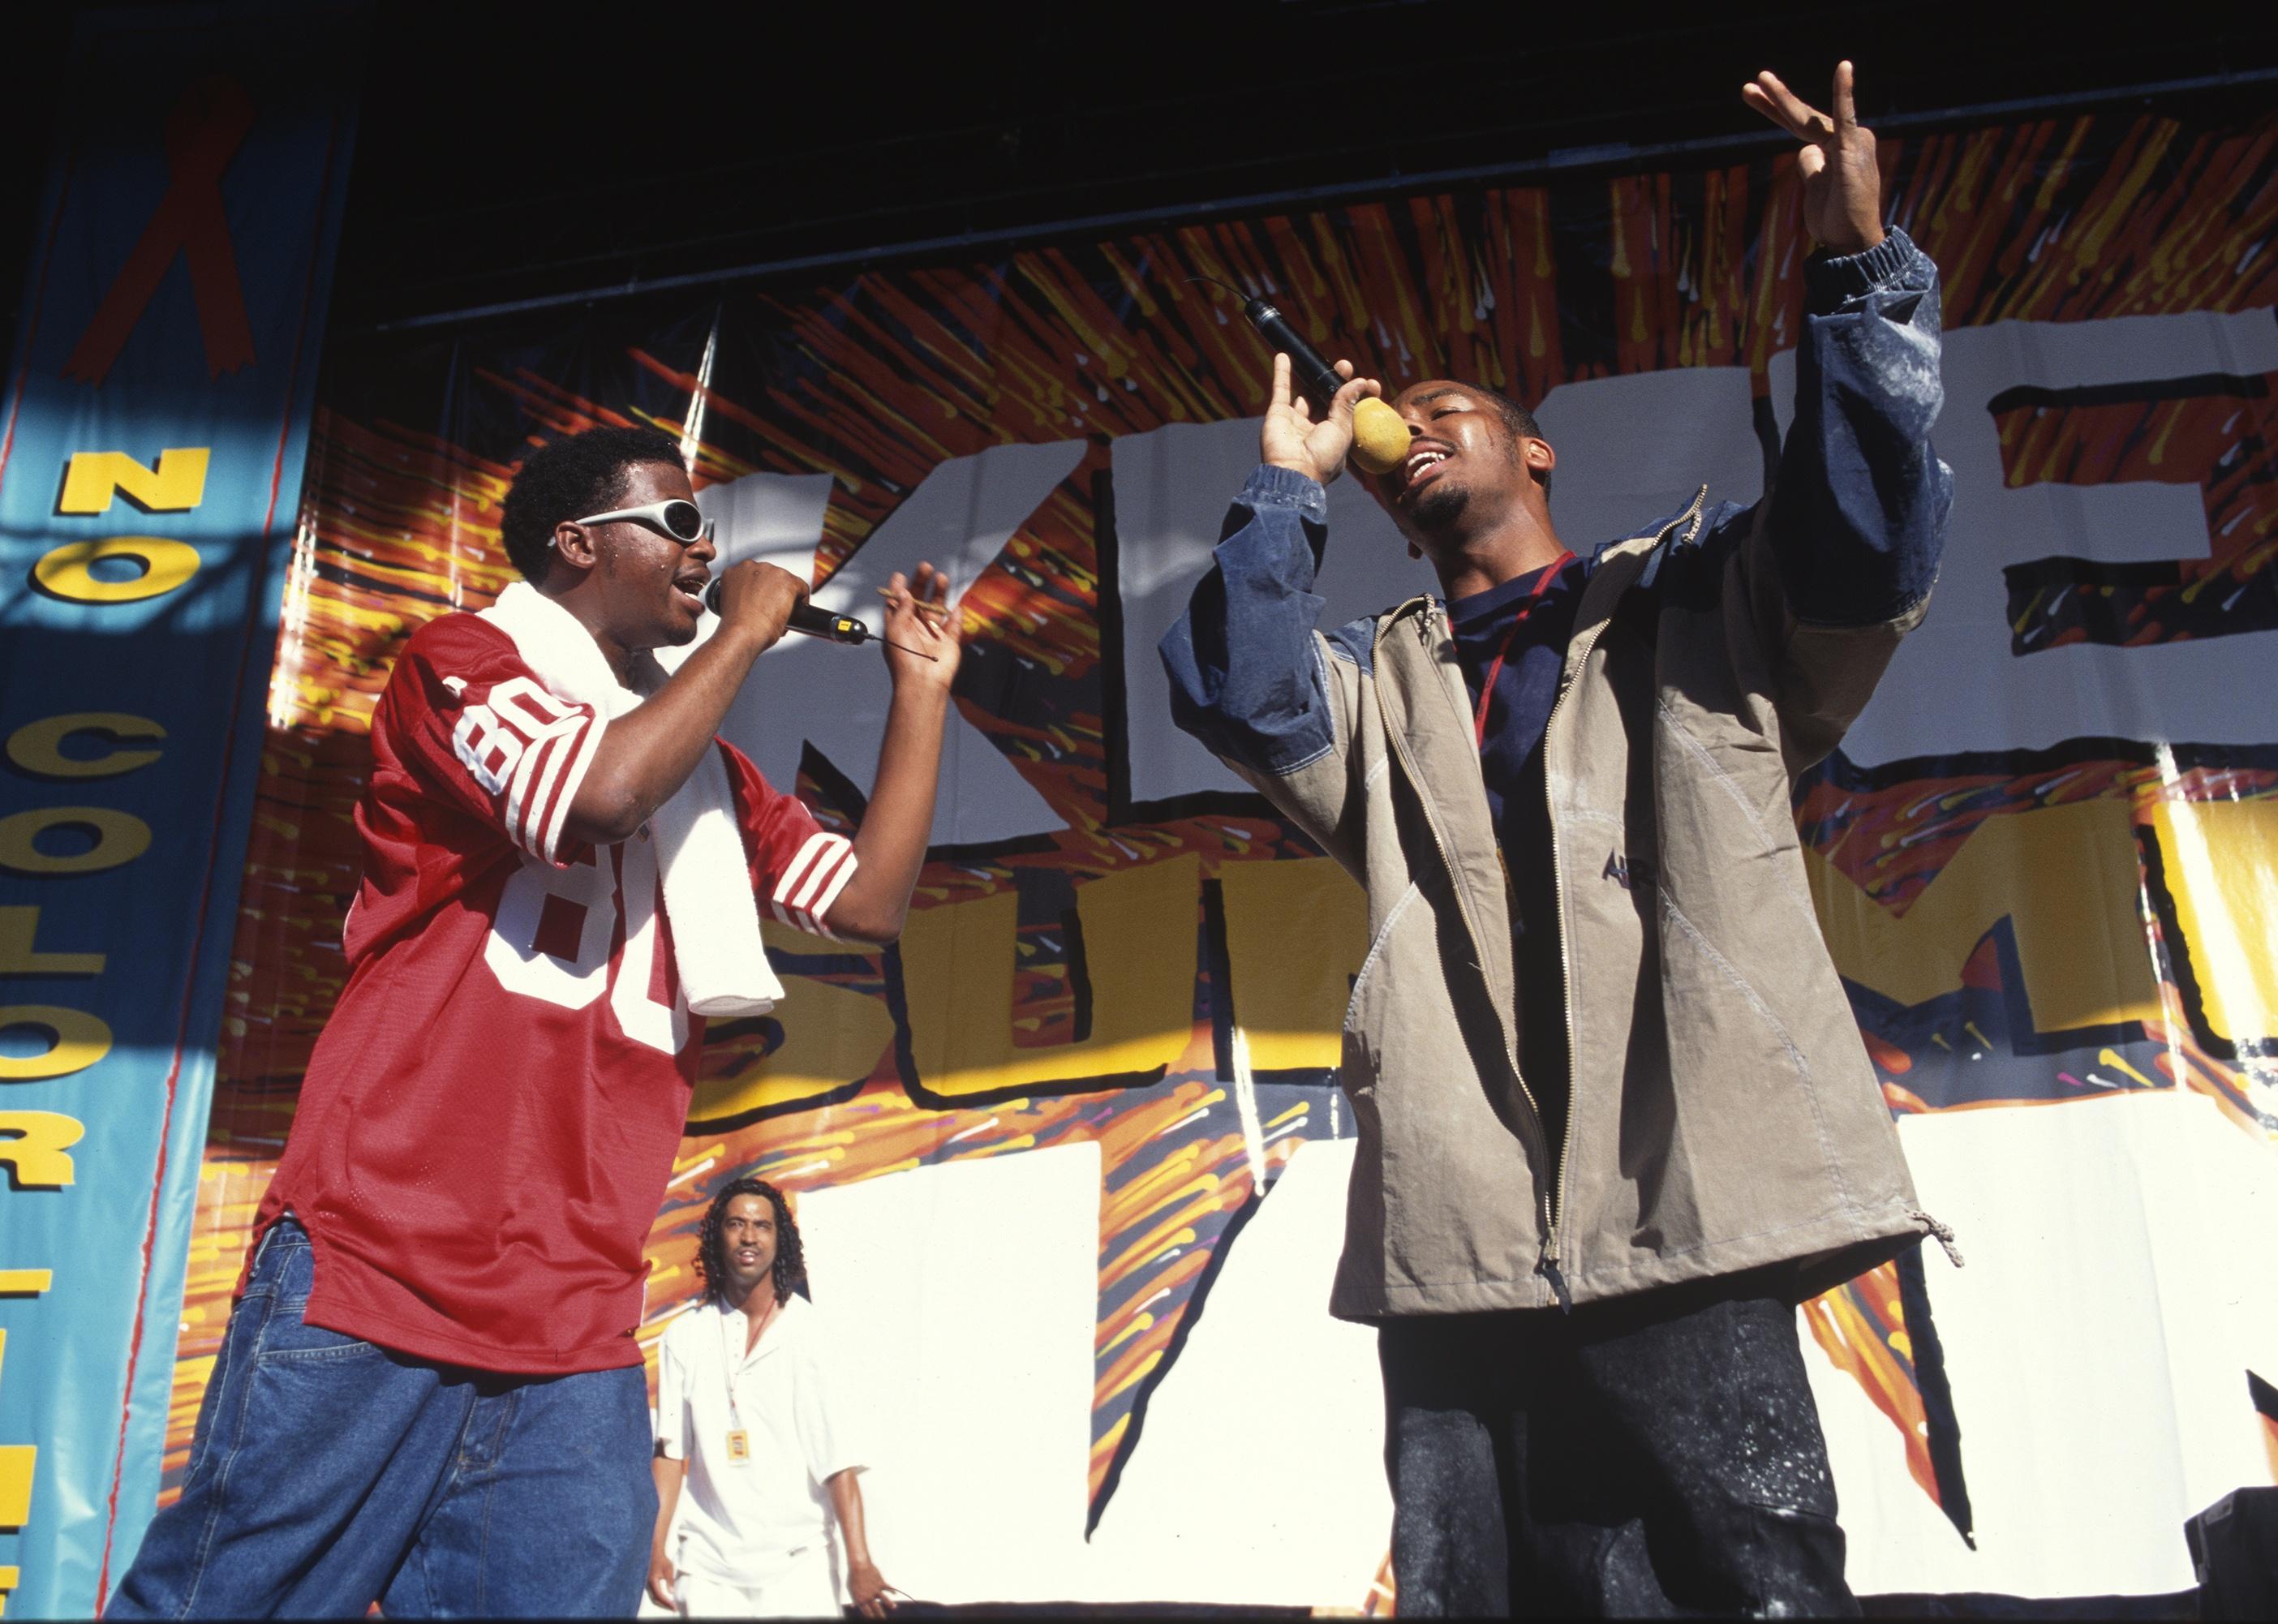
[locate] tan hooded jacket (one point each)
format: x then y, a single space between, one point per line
1725 1115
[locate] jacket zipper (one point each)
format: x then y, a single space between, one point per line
1454 887
1553 1202
1549 1264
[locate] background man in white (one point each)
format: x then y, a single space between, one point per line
744 1392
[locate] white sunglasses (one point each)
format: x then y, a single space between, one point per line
683 520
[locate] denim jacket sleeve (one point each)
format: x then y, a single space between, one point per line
1245 663
1859 509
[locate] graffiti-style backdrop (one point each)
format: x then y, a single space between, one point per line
1070 1154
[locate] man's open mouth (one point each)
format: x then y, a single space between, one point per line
692 587
1423 464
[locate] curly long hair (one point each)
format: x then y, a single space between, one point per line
790 1270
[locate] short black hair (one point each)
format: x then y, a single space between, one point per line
568 478
1515 418
712 1247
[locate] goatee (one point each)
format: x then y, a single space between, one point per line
1439 508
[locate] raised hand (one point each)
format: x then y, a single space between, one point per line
918 617
1291 439
1842 188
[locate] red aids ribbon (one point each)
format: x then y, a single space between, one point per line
203 133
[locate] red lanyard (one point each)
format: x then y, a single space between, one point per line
1486 688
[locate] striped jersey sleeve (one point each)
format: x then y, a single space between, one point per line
475 726
798 867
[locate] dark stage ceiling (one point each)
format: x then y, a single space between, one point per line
512 151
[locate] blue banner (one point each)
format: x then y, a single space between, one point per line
155 423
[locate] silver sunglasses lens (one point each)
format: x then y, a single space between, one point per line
685 521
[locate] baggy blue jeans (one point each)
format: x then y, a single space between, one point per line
327 1473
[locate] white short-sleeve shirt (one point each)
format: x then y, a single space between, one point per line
743 1519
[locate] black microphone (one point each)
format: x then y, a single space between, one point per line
1380 436
807 618
1312 372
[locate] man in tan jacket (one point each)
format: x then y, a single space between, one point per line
1615 1119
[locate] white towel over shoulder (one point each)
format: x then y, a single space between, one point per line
708 886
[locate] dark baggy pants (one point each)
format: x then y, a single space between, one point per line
1648 1457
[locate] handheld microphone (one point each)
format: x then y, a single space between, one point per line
1380 435
821 623
807 618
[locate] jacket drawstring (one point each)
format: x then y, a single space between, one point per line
1943 1233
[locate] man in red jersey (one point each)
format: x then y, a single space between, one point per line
430 1394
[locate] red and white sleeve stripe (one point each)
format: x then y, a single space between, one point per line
812 882
546 781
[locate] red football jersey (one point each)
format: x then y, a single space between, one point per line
490 1115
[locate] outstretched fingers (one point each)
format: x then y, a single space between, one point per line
1846 109
932 598
1280 396
1759 100
925 594
1772 97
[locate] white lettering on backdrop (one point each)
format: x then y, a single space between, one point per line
805 690
1954 686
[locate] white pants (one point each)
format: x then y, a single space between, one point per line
800 1589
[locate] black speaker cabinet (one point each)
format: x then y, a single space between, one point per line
2234 1548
